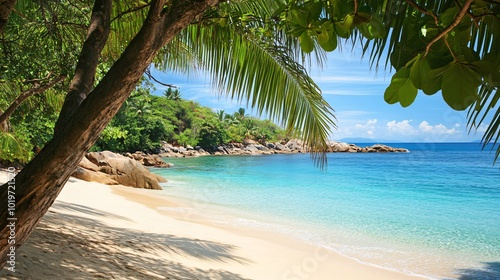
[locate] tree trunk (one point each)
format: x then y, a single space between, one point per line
39 183
6 7
83 80
23 96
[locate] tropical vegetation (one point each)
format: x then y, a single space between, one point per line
146 120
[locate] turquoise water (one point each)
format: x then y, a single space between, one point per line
432 211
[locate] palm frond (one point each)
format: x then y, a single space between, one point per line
126 19
8 92
267 78
12 148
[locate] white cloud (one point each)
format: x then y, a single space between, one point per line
437 129
352 128
403 127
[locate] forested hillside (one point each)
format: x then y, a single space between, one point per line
145 120
142 123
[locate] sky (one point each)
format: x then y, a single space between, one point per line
356 93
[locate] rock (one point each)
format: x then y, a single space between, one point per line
280 147
237 145
121 169
189 147
87 164
337 147
251 148
250 142
381 148
155 161
93 176
294 145
261 147
138 156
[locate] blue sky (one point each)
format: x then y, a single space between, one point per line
357 95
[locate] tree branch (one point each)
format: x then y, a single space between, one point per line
469 14
38 88
460 15
131 10
148 73
423 11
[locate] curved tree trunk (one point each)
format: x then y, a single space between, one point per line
39 183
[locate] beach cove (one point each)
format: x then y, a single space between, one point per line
428 214
98 231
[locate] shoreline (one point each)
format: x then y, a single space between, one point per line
94 230
253 225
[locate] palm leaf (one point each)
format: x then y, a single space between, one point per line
267 78
12 148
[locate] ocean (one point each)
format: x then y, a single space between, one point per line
434 211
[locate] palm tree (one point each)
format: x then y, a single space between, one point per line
172 94
240 114
220 115
249 129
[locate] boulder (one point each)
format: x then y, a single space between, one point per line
122 170
381 148
261 148
93 176
337 147
88 165
250 142
294 145
251 148
280 147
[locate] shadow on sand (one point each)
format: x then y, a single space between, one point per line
490 271
65 246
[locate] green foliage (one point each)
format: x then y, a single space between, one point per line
14 148
401 88
147 120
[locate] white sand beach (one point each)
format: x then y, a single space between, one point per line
95 231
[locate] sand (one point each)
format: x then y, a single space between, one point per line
95 231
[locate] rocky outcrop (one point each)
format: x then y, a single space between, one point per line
342 147
250 147
148 160
112 169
